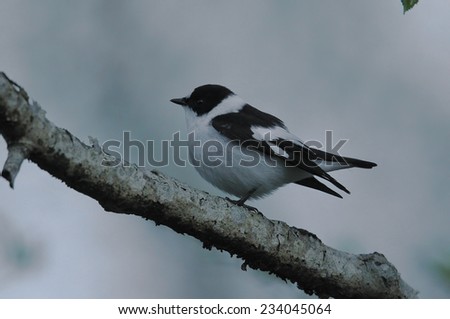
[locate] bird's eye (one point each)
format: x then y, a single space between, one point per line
199 102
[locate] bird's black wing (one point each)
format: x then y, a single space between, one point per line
253 128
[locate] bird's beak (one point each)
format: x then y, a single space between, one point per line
180 101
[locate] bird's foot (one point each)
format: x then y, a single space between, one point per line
240 202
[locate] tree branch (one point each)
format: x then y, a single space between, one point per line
290 253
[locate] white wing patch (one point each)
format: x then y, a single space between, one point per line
270 135
274 133
278 151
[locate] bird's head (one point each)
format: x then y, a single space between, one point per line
204 98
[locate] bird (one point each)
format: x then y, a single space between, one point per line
253 153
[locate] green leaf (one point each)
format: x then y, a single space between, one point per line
442 269
408 4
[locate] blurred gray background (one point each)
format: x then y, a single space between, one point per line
359 68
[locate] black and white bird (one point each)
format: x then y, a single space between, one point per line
258 152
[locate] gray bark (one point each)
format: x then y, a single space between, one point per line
288 252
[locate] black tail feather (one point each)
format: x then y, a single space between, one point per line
334 182
350 161
314 183
359 163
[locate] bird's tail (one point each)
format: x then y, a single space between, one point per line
332 162
354 162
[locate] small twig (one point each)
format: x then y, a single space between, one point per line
17 153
